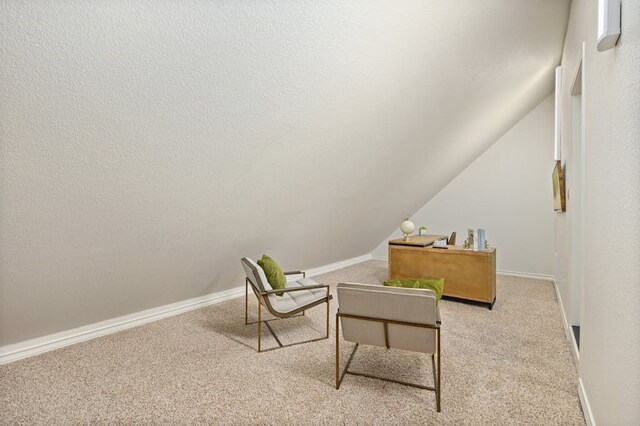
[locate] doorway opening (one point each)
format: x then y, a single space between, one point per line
577 201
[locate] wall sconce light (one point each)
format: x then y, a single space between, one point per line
609 12
557 147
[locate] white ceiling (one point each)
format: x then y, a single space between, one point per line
147 146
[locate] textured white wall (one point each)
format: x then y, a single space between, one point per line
610 326
507 191
148 145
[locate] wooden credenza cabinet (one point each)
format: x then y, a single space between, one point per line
467 274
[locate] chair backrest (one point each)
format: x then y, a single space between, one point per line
388 303
256 275
452 239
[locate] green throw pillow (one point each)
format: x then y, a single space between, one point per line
274 274
437 285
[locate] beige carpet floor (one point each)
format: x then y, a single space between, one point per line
511 365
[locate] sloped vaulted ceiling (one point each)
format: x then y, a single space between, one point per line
147 146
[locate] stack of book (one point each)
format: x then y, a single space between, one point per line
476 238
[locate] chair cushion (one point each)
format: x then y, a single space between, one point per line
294 299
273 272
303 297
437 285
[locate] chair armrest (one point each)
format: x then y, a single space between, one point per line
304 287
435 326
304 274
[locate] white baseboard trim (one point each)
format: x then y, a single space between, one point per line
525 275
377 257
565 323
584 401
337 265
38 345
568 332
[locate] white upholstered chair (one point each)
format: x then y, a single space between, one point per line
391 317
298 296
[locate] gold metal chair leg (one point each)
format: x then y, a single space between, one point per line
259 325
438 377
246 301
337 352
436 372
327 317
260 299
